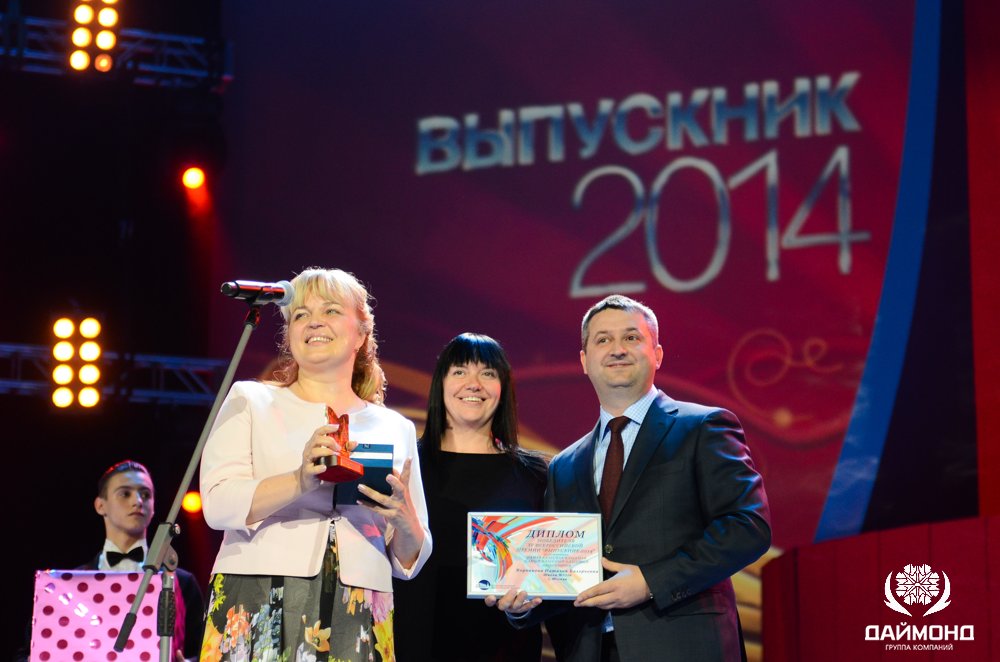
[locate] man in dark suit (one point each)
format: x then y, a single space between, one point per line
125 501
683 509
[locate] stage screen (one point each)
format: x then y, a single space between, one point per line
739 167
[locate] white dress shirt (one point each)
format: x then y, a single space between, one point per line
635 412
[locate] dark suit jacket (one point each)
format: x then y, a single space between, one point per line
690 511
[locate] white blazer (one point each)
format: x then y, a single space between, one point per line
261 431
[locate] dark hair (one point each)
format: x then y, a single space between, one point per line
619 302
119 468
462 350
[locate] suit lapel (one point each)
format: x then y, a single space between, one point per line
583 469
659 419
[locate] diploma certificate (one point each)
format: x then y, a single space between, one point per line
549 555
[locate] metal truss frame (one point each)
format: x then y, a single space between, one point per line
41 46
140 378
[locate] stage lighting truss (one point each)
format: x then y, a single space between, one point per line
137 378
46 46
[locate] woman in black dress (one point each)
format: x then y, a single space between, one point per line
470 461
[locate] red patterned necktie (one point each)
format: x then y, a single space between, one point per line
614 462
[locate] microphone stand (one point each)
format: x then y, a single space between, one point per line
161 556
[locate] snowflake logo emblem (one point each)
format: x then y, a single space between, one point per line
918 585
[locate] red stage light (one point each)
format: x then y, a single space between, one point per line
192 502
193 177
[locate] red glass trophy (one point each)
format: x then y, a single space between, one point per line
340 467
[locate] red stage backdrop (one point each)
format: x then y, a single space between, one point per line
497 168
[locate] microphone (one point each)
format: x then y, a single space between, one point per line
256 293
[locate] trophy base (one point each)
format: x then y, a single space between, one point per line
341 469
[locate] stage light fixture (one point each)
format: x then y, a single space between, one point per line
76 364
81 37
193 177
62 374
107 17
83 14
90 351
79 60
106 40
89 396
103 63
62 397
90 328
191 503
89 374
94 50
64 328
63 351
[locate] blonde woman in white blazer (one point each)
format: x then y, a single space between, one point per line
296 578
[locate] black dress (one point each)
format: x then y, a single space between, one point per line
434 620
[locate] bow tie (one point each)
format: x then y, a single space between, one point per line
135 554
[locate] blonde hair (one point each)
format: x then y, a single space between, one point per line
368 380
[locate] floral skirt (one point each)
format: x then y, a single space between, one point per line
258 618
